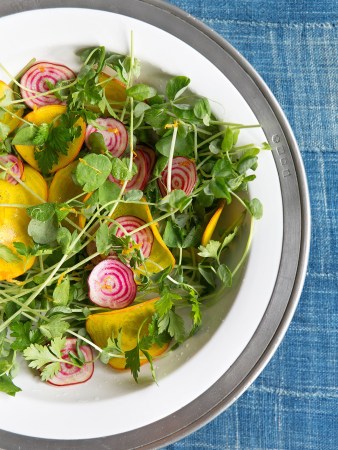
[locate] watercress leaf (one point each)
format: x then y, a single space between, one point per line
211 250
246 163
120 169
218 188
160 165
193 238
222 168
133 195
55 328
256 208
235 136
7 386
25 135
61 293
43 232
172 235
228 140
141 92
64 238
225 275
184 145
266 146
102 238
140 108
159 277
92 171
176 86
202 110
215 146
208 274
108 192
177 199
42 212
96 143
156 116
8 255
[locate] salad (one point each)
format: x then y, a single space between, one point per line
110 198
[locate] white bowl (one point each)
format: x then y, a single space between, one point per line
243 329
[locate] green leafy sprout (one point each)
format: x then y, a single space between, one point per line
50 301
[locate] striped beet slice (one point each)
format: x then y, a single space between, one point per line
183 176
111 284
70 374
144 237
114 133
144 160
14 168
36 79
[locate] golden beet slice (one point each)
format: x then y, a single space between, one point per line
107 325
62 187
6 96
114 89
14 221
46 114
210 228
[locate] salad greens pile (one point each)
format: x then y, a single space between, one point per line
50 301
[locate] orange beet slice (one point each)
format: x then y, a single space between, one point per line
46 114
14 221
106 325
6 96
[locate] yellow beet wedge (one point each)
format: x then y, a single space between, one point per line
14 220
62 187
107 325
210 228
6 96
46 114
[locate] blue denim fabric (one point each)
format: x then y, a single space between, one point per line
294 403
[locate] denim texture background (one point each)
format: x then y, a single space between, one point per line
293 404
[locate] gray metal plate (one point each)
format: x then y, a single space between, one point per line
296 224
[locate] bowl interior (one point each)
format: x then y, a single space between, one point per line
111 402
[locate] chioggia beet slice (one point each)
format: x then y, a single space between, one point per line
39 79
114 133
144 160
183 176
144 238
70 374
111 284
13 166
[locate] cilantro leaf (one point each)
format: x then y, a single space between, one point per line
210 250
133 361
24 335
